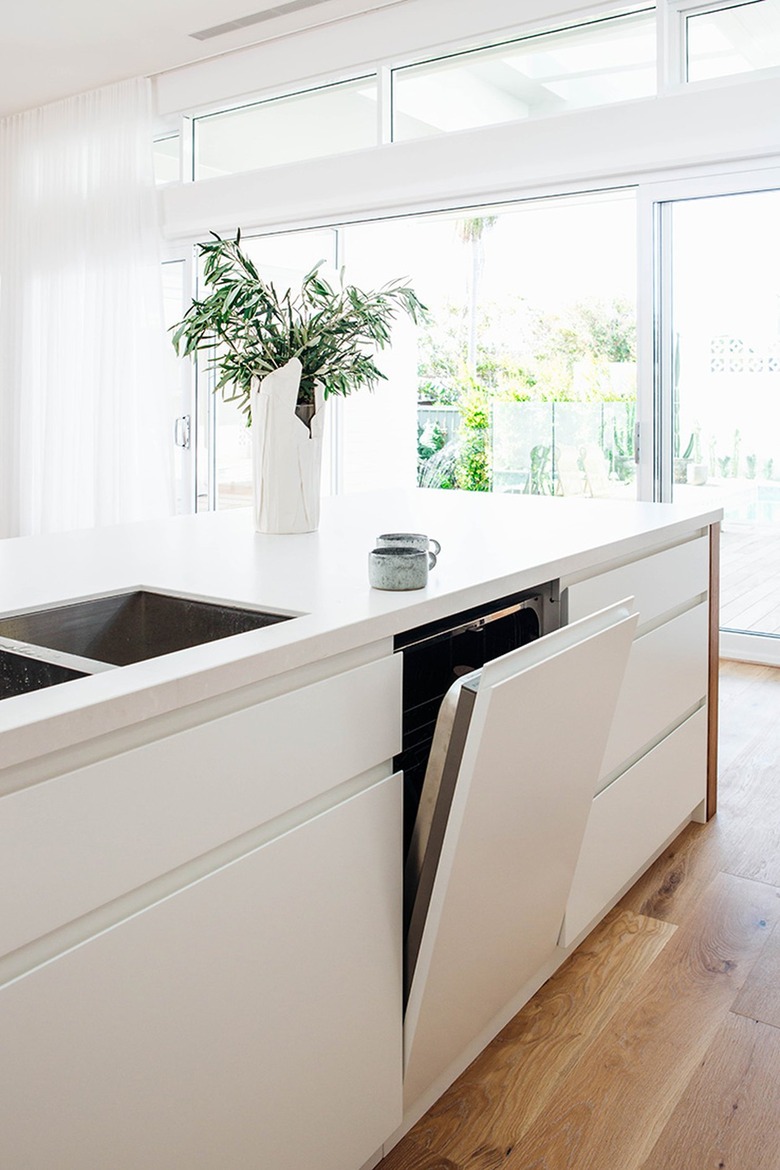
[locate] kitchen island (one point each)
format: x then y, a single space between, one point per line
201 853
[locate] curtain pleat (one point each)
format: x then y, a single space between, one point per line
87 373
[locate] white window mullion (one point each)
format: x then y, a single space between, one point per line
187 149
385 105
671 45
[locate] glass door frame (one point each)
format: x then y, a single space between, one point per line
183 428
655 203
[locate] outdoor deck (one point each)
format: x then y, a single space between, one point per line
750 572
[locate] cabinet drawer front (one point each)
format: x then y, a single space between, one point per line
81 839
631 819
657 583
666 676
251 1020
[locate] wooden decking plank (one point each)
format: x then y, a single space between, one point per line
750 568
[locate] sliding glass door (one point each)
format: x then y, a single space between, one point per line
718 392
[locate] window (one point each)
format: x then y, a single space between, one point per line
523 379
608 60
735 38
315 122
167 159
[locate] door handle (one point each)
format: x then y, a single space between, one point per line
181 431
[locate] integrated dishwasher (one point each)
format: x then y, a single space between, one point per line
441 664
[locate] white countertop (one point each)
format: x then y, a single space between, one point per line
491 545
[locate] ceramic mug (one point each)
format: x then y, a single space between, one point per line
416 540
399 567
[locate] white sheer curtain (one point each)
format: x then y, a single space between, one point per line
86 369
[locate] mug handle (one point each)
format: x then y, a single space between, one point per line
432 557
435 550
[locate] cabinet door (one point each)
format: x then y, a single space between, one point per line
524 790
85 837
253 1019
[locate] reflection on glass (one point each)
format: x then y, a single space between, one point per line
609 60
329 120
738 39
726 386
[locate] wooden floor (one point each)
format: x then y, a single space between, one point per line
657 1045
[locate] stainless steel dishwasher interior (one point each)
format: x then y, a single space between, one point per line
132 626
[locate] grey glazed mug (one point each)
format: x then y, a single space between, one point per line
417 540
399 567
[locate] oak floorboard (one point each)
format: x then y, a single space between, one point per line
671 888
611 1108
760 995
500 1094
744 837
727 1116
626 1075
751 808
749 707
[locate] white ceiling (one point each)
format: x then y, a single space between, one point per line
50 49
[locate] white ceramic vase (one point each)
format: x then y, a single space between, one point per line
286 454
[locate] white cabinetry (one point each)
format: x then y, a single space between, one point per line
249 1020
201 959
91 835
654 774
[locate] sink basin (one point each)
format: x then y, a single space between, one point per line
128 627
20 674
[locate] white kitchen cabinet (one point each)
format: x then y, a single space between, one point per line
653 778
666 678
658 581
633 818
84 838
252 1019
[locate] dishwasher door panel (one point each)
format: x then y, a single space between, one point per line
524 789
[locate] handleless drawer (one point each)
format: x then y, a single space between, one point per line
666 677
632 818
83 838
658 583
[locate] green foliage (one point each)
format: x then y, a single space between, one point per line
472 468
472 472
429 441
526 354
249 329
604 329
471 231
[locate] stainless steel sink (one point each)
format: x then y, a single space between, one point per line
123 628
20 674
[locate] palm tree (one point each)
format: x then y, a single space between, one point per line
471 231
